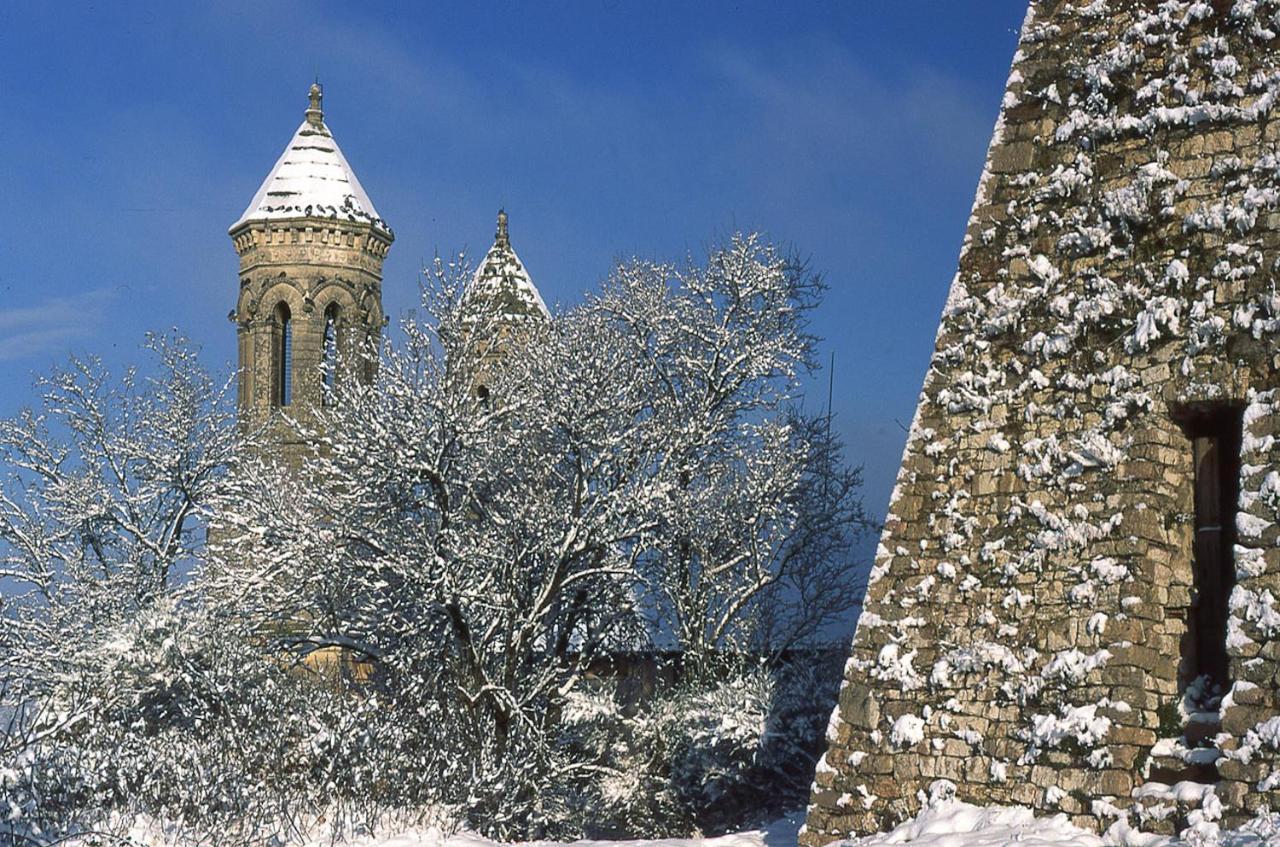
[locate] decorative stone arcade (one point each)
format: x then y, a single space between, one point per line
311 247
1074 601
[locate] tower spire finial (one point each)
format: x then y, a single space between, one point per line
501 235
315 115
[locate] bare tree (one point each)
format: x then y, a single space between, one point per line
635 473
106 488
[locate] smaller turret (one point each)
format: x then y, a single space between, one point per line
502 284
499 301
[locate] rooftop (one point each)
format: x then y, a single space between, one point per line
312 179
502 278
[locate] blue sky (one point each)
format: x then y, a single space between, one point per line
133 135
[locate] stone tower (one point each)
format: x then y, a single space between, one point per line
498 302
311 246
1076 599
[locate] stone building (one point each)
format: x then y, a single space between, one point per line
1073 604
500 300
311 246
309 313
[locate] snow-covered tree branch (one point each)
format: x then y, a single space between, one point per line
105 488
524 576
634 477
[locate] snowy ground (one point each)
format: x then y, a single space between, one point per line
780 833
944 824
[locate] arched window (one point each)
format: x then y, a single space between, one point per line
329 355
284 356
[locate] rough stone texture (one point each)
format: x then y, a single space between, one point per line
1036 570
307 265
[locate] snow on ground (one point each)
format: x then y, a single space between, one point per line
952 823
948 823
779 833
149 833
752 838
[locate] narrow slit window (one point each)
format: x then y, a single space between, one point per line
329 356
284 356
369 354
1215 435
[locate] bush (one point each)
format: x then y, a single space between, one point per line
705 754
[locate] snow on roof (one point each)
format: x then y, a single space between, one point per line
312 179
502 279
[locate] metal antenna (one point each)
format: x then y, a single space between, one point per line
831 381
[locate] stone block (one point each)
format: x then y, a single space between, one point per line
859 707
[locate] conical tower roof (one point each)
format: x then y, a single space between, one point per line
502 280
312 179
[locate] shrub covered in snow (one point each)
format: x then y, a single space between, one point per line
711 751
418 618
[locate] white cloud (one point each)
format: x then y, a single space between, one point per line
51 325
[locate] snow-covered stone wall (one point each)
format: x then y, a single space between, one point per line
1027 620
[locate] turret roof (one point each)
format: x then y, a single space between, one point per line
312 179
503 280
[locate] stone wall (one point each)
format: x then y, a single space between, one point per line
308 265
1027 623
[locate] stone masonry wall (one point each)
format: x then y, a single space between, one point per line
308 265
1025 627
